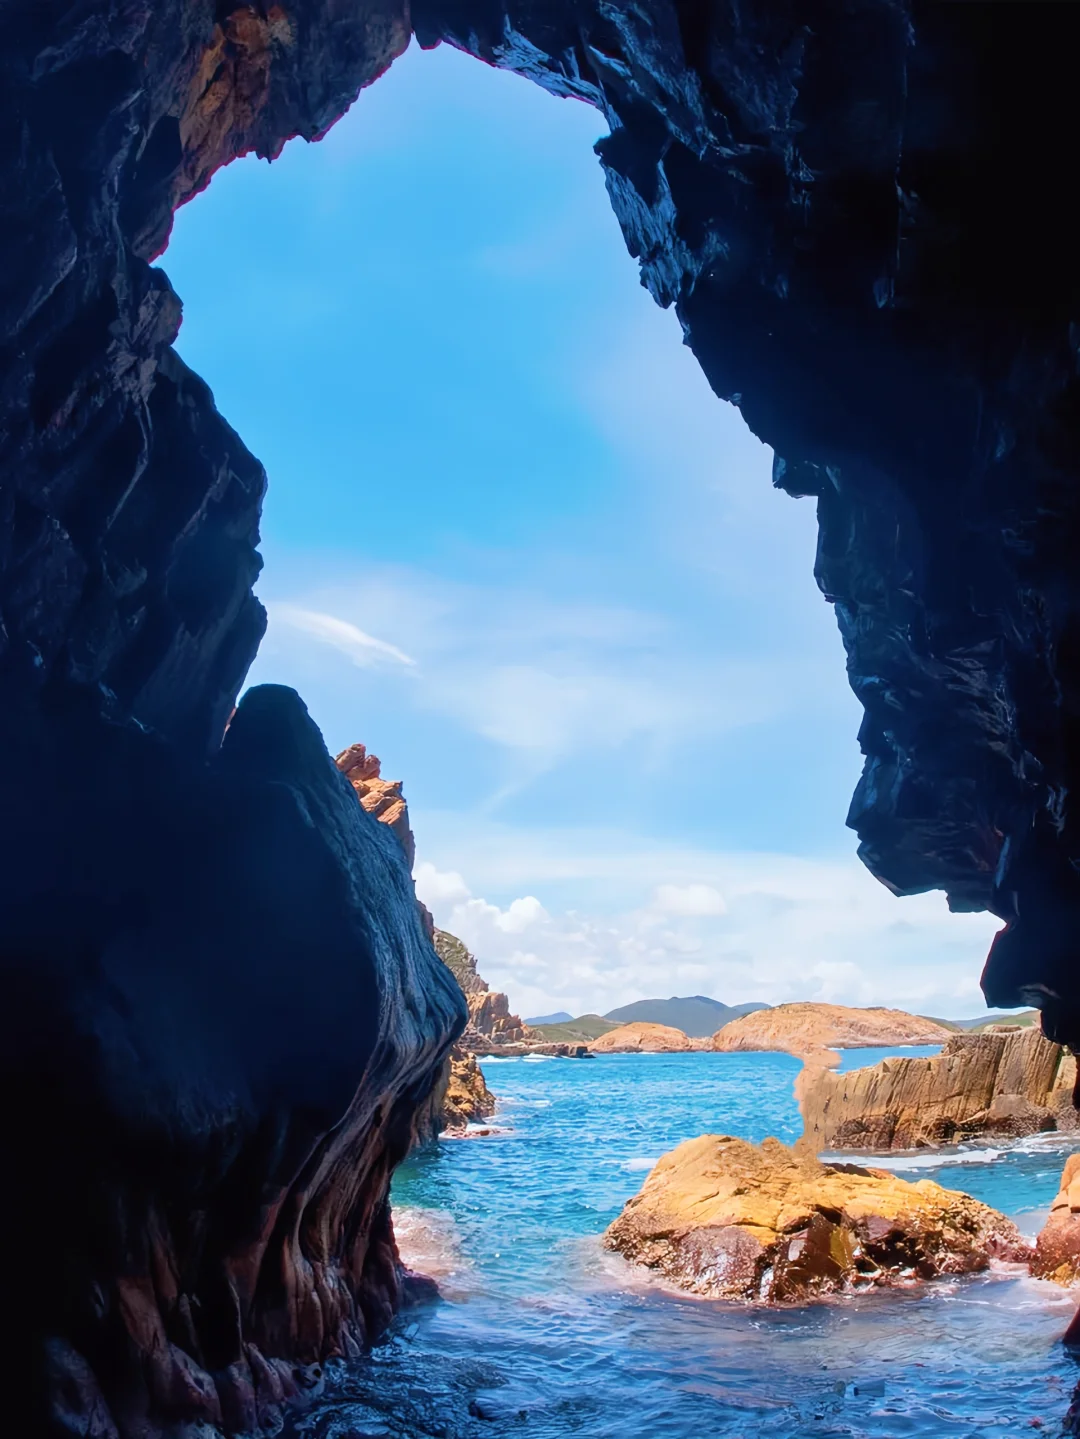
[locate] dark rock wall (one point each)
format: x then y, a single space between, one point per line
221 1017
862 212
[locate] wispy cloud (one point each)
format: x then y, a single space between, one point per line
348 639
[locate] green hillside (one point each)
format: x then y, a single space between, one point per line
696 1014
575 1031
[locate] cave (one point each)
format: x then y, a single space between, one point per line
860 212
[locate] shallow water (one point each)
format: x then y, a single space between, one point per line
541 1332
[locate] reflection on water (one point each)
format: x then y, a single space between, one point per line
542 1332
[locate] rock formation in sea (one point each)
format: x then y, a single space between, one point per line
640 1037
732 1220
814 1031
861 216
1057 1249
491 1026
999 1085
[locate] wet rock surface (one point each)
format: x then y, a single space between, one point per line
1001 1085
732 1220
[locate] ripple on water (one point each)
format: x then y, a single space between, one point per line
543 1332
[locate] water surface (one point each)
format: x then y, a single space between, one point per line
542 1333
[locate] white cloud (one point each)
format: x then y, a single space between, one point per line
608 920
363 649
436 887
689 899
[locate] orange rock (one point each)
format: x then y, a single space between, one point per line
733 1220
1057 1249
1003 1084
381 797
641 1037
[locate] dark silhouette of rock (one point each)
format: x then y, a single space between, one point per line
221 1016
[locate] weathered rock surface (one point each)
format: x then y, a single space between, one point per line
381 797
1000 1085
491 1025
248 1014
812 1030
640 1037
732 1220
1057 1249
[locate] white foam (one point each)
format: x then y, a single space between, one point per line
633 1166
541 1058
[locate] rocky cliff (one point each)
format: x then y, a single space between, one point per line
813 1030
491 1025
861 216
382 798
997 1085
732 1220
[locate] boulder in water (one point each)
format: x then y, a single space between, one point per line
732 1220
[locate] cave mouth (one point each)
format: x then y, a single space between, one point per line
617 585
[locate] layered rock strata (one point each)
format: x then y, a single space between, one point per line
731 1220
814 1031
999 1085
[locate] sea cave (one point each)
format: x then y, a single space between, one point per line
859 212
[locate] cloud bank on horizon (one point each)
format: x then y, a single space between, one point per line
516 546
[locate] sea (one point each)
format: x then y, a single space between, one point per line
541 1332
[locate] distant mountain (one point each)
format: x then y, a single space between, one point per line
993 1016
559 1017
697 1015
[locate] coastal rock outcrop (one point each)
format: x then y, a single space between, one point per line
732 1220
491 1025
812 1031
1057 1249
997 1085
640 1037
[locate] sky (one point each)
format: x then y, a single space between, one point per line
516 546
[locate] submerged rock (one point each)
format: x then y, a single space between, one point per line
641 1037
1057 1249
732 1220
997 1085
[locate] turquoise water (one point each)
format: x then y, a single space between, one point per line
540 1332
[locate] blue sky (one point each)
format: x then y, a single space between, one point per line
516 546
